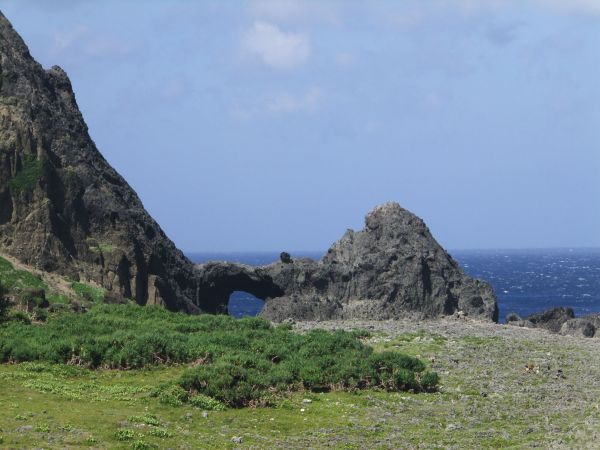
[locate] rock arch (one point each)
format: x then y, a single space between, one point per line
220 279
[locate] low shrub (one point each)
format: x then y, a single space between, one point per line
4 305
207 403
234 362
171 394
31 172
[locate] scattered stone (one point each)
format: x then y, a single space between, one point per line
205 414
237 439
306 400
521 323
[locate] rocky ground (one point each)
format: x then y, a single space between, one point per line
502 386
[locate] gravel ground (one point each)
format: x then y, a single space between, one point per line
510 387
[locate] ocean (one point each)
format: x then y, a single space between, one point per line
525 281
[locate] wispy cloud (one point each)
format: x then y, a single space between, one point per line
502 35
571 6
276 48
345 59
64 40
82 42
279 104
287 103
295 10
576 6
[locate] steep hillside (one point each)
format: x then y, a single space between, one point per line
63 208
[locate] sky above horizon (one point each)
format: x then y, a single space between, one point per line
275 125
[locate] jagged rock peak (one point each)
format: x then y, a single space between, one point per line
391 214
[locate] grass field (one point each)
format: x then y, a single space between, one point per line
499 390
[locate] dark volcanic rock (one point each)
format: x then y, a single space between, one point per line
578 327
513 317
552 319
63 208
392 269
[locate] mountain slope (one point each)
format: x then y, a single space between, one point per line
63 208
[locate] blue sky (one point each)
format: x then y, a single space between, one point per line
276 125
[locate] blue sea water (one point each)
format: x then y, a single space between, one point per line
525 281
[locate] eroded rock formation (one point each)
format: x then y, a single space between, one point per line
393 268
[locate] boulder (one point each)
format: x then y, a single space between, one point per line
552 319
513 317
579 327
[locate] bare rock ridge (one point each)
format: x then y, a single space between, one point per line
63 208
392 269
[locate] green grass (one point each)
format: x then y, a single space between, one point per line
30 174
18 280
75 407
236 363
103 248
88 293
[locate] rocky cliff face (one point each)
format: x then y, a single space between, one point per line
63 208
392 269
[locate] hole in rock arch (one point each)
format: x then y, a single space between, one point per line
242 304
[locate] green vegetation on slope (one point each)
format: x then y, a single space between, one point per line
236 362
89 293
34 299
18 280
32 171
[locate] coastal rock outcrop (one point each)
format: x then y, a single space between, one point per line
392 269
560 320
552 319
63 208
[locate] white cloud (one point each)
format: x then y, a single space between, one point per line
288 11
276 48
279 9
345 59
279 104
82 42
65 40
287 103
576 6
571 6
